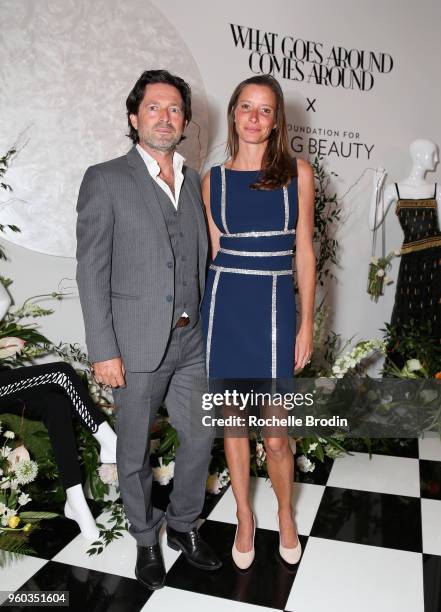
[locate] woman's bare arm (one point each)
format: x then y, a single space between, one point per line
305 262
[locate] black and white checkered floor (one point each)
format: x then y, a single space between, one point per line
370 530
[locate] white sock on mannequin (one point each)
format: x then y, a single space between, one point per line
107 440
76 508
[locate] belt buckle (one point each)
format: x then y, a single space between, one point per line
182 322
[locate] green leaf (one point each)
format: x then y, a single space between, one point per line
319 452
15 543
37 516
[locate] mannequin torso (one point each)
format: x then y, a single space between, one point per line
424 154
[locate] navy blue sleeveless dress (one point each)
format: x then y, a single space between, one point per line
248 310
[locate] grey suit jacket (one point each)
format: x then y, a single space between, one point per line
122 250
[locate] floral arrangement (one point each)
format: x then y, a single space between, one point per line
413 368
17 470
353 358
319 448
408 343
377 276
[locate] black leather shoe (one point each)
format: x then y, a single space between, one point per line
150 570
195 550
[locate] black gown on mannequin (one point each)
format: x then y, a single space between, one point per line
418 294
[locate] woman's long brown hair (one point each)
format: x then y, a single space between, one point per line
277 165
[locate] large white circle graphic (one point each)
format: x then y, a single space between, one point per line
66 70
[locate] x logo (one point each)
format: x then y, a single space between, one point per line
311 104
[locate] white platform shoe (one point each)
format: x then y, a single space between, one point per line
290 555
243 560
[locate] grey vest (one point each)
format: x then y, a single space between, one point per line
183 232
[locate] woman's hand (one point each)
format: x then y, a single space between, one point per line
304 346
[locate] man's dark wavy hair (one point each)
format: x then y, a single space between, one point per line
149 77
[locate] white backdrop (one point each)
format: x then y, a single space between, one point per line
67 67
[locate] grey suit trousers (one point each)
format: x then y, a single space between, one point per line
179 380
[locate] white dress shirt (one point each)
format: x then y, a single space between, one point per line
154 171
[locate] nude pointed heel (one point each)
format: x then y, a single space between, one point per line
290 555
243 560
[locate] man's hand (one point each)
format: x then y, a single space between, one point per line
110 372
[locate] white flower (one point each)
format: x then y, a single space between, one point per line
5 485
25 471
2 508
9 434
5 450
10 346
224 477
312 447
305 464
23 499
260 454
164 473
332 452
380 272
9 512
108 473
374 260
20 453
413 365
356 355
14 484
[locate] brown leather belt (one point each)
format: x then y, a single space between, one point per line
182 322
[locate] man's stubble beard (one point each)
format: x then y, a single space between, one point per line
160 144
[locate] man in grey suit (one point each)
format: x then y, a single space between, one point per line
142 252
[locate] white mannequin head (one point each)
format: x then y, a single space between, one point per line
424 153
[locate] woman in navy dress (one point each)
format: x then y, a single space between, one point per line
260 204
